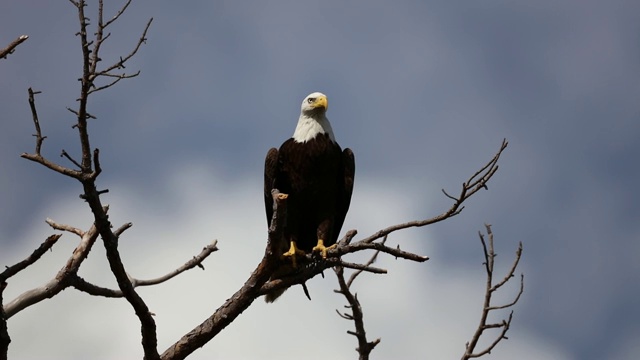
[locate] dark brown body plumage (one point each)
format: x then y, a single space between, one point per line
318 177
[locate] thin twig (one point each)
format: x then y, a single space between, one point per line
66 155
120 12
117 79
89 116
122 61
36 122
511 271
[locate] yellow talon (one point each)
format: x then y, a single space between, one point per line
293 251
323 249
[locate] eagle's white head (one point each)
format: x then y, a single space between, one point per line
313 119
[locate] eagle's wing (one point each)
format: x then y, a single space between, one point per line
270 172
344 199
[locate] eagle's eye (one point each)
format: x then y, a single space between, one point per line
311 100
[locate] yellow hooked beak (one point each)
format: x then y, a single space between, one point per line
321 101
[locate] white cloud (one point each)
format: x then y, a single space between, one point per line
417 309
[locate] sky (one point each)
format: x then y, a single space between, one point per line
422 91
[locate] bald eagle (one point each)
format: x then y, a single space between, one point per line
318 177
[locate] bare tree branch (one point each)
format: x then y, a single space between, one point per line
122 229
359 267
110 240
35 256
243 298
196 261
364 346
66 155
64 227
87 174
59 282
122 61
489 255
37 156
100 38
86 82
117 79
117 16
36 122
81 284
10 271
91 169
476 182
12 46
362 245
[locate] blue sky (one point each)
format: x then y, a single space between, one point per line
423 92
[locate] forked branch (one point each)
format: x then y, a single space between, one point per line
364 346
37 156
490 289
476 182
62 279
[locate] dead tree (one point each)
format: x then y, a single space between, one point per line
85 168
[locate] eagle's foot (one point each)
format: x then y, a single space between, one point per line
292 253
323 249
